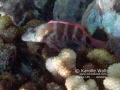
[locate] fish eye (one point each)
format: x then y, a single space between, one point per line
30 28
33 34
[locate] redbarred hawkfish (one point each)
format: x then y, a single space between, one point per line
57 33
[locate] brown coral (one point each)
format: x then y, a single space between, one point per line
9 34
101 57
6 80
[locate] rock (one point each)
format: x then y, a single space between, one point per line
40 3
70 10
102 14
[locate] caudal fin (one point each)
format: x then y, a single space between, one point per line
98 43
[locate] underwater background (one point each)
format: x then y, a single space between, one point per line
59 44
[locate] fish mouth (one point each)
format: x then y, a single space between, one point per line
25 37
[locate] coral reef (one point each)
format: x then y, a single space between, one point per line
8 31
35 66
112 83
101 57
22 11
5 21
63 65
77 83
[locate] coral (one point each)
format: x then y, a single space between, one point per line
5 21
62 65
114 70
54 86
9 8
25 10
112 83
76 82
8 31
101 57
32 23
29 86
33 47
68 54
7 56
9 34
7 80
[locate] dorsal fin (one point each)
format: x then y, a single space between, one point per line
68 23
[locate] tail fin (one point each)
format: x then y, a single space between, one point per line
97 43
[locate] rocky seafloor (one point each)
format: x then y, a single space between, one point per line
36 66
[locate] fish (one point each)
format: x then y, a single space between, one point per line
57 33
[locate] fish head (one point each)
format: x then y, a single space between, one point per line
29 35
35 34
